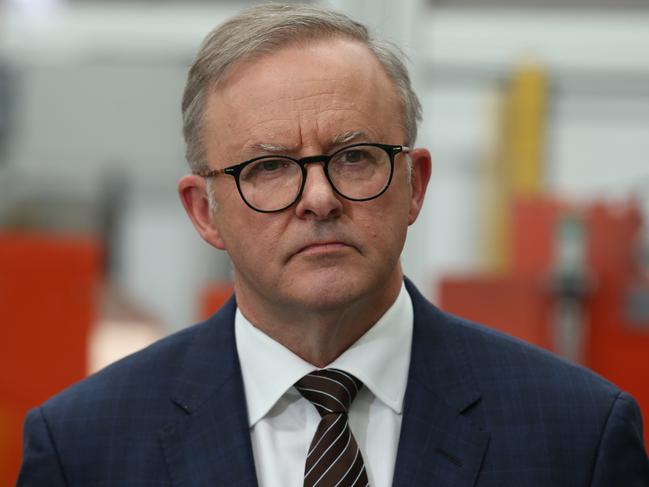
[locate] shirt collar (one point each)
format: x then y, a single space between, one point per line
380 358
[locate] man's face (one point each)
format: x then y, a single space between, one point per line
324 252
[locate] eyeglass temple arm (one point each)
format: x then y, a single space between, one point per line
210 173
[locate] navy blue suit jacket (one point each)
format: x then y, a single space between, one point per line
481 409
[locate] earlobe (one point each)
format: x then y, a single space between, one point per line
192 190
421 170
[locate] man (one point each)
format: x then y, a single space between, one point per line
300 133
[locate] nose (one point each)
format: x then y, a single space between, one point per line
319 201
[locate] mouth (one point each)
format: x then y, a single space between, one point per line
323 248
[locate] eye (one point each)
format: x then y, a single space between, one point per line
353 156
266 169
269 165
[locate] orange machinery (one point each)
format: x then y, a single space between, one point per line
47 293
212 297
575 285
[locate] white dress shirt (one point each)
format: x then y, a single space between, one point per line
282 423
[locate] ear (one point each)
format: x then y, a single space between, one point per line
192 190
421 169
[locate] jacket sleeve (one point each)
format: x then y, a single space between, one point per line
622 457
41 464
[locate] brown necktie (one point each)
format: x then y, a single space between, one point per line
334 459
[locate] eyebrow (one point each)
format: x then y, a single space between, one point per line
264 147
337 139
348 136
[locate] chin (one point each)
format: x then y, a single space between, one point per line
328 291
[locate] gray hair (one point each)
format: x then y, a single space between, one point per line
263 29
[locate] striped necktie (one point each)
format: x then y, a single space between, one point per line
334 459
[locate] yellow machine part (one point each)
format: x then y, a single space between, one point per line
515 162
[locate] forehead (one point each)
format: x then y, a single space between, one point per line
302 97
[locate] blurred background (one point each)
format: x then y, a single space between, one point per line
536 113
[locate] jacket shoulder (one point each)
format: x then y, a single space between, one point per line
149 370
513 367
549 421
139 381
494 358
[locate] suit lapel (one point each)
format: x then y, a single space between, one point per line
208 444
439 444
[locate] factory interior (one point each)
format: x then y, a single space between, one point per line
536 220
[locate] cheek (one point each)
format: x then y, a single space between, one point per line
249 238
383 226
393 223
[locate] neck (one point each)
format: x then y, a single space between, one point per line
319 336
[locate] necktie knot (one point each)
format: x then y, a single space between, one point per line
329 390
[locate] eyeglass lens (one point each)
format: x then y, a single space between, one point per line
273 183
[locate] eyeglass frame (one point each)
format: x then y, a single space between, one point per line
236 169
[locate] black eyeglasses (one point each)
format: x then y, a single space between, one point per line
358 172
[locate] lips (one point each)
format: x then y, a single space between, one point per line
323 247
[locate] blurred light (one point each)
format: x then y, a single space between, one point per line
36 7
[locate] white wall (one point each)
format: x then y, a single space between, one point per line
598 133
98 91
100 86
